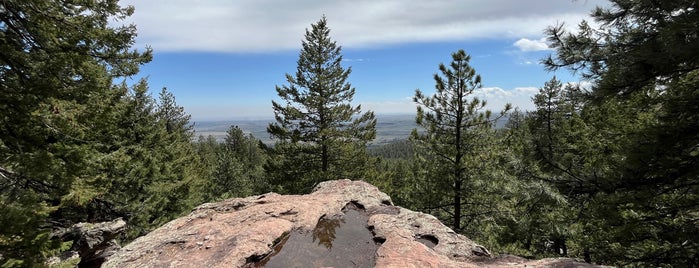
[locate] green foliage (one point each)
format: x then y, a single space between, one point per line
401 149
239 170
641 130
397 178
543 156
607 174
638 43
149 171
177 122
395 173
320 135
234 167
454 149
57 60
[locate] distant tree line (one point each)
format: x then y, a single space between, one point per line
607 173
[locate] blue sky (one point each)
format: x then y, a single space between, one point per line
223 59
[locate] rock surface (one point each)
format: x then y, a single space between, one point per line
94 242
241 232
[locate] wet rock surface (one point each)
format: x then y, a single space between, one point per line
336 241
342 223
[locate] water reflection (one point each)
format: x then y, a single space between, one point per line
334 242
325 231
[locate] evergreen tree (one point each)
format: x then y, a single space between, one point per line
320 135
183 189
173 116
457 133
239 171
557 128
57 61
550 166
643 63
149 172
207 148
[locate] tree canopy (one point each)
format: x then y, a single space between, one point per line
58 60
457 128
320 134
642 60
606 173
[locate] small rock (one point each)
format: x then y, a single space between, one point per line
94 242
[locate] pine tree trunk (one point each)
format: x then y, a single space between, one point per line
457 159
457 205
324 158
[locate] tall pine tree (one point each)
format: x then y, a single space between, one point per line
319 134
457 131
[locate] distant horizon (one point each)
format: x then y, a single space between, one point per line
259 118
271 118
390 127
223 63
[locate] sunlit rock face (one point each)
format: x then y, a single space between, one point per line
342 223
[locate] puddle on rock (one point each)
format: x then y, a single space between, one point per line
428 240
334 242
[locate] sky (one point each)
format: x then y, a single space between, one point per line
223 58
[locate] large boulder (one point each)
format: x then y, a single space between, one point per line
93 242
342 223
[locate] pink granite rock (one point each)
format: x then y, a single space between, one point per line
241 232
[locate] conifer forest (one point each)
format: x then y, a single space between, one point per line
608 174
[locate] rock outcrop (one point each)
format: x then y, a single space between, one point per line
93 242
253 231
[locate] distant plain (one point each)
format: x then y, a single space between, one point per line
389 128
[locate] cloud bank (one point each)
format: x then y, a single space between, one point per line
525 44
495 97
244 26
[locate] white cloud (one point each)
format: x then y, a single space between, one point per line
497 98
525 44
520 97
584 84
272 25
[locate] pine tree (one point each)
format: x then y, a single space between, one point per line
173 116
556 127
456 132
239 166
643 63
148 172
130 165
320 135
181 165
57 61
551 162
